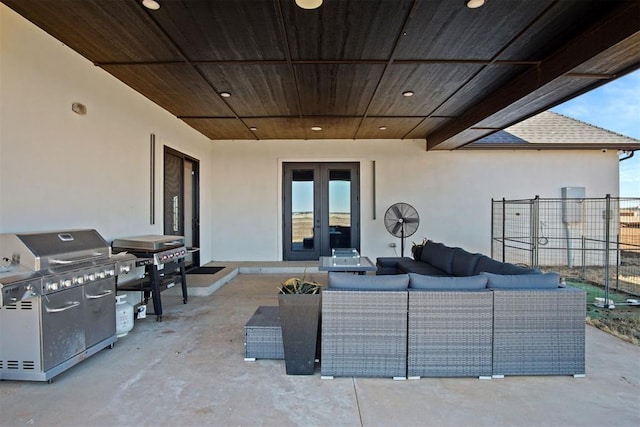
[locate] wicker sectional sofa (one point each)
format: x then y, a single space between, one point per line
411 325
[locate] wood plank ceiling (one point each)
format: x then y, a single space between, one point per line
344 66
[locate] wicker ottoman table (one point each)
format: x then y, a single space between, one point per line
263 335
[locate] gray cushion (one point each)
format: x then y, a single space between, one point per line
523 281
387 265
396 282
438 255
490 265
468 283
508 268
427 270
464 263
412 266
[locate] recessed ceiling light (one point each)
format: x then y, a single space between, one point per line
225 94
151 4
316 128
309 4
407 93
253 128
474 4
382 128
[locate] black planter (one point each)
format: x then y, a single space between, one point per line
299 317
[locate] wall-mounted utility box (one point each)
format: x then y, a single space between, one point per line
572 204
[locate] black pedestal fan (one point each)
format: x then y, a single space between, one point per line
401 220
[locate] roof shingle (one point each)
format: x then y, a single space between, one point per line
553 130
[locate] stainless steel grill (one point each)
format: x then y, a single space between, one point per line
57 303
163 258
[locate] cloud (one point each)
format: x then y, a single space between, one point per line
614 106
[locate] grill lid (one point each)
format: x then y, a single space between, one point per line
39 251
148 243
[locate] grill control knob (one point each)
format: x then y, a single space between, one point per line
66 283
101 275
92 277
80 280
51 286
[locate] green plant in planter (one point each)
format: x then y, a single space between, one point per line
299 285
299 302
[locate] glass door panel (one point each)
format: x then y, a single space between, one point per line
339 209
302 210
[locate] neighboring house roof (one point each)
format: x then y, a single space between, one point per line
549 130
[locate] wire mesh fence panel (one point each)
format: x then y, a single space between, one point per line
592 239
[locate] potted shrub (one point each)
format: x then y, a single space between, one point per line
299 301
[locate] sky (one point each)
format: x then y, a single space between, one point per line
614 106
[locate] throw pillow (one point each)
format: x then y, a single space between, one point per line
489 265
523 281
438 255
396 282
464 263
467 283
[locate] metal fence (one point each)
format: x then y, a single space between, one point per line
594 240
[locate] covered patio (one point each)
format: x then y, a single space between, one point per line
190 370
236 87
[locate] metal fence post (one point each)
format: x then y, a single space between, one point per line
493 219
584 257
504 217
617 259
535 230
607 226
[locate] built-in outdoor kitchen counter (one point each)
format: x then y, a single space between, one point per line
163 260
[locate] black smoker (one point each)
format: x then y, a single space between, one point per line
163 260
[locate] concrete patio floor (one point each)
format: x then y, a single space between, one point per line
188 370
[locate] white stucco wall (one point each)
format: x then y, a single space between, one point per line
59 170
452 191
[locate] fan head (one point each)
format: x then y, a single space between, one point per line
401 220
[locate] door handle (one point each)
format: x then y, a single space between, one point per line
102 295
61 309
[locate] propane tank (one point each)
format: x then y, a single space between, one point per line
124 316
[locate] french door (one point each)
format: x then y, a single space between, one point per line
181 200
321 209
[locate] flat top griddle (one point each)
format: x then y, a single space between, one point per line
148 243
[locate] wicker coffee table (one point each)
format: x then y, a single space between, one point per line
263 335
